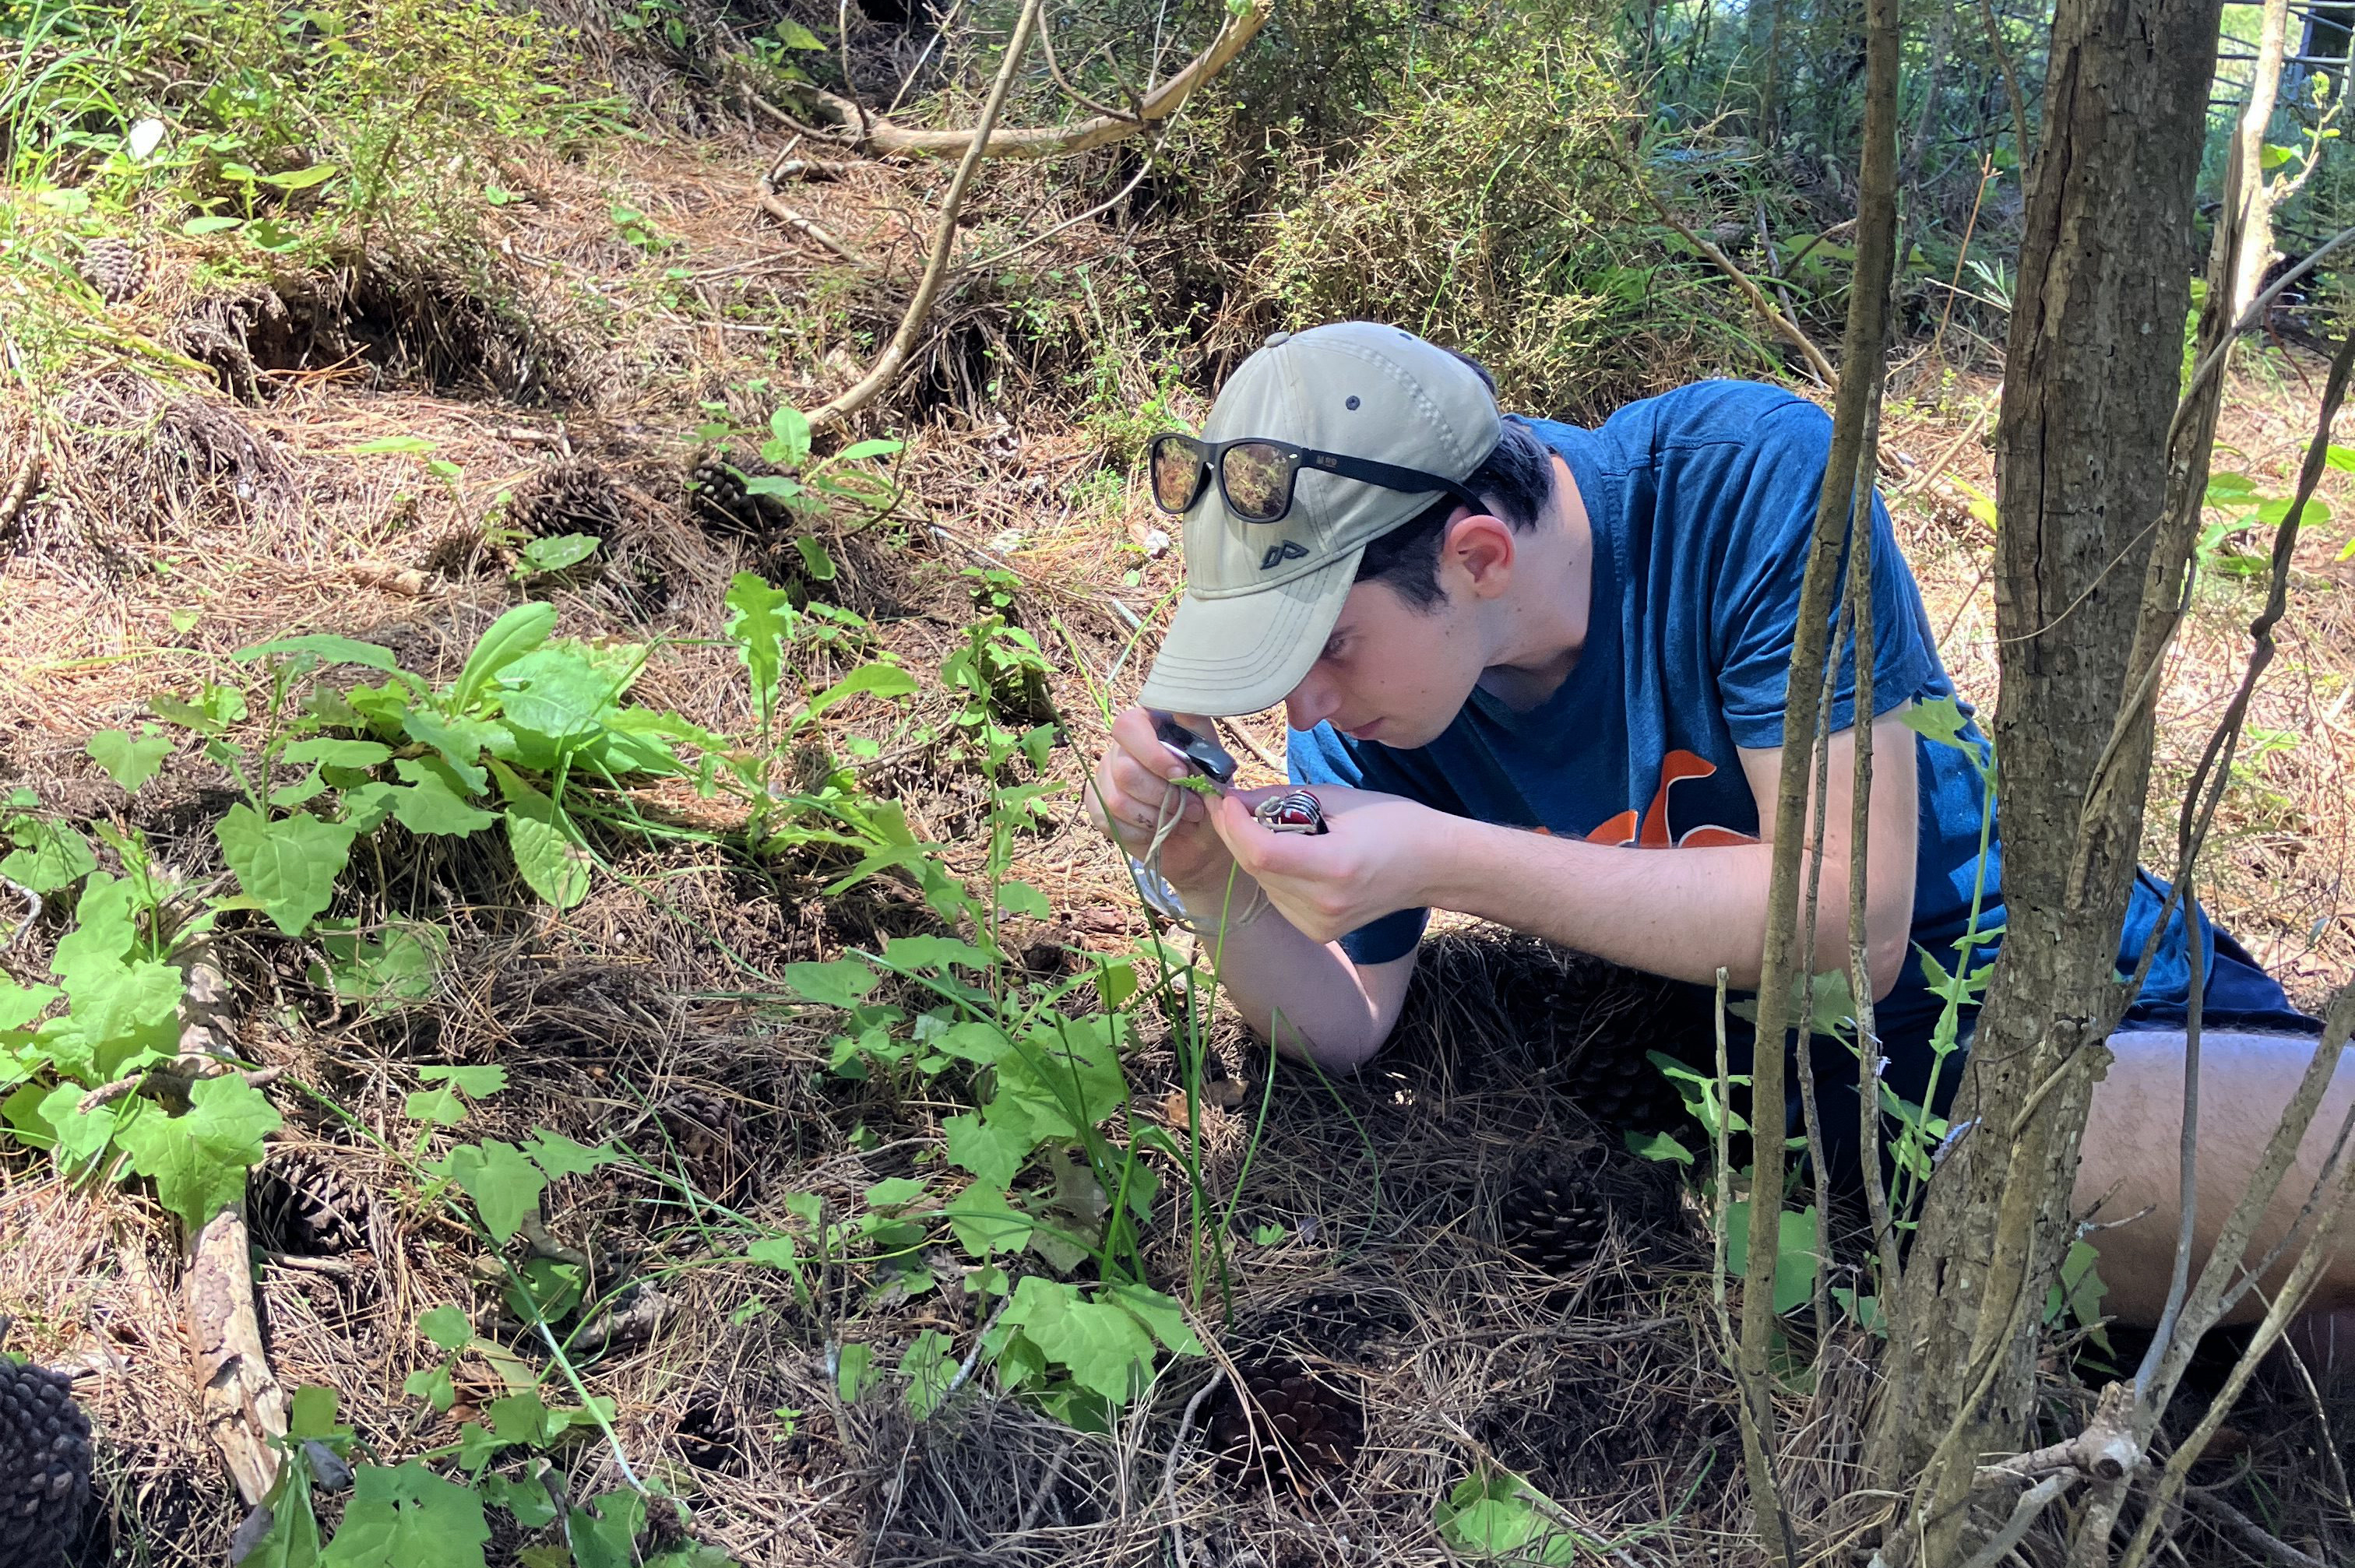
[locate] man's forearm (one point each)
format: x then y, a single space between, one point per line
1304 998
1684 912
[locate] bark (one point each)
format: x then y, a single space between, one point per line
2084 448
2249 147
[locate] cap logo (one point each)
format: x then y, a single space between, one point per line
1279 554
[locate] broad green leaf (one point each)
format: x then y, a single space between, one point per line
1158 1313
77 1137
1796 1262
840 983
20 1004
854 1372
130 763
789 439
300 179
555 692
526 1499
475 1083
1942 721
553 554
48 856
607 1538
431 1385
872 448
815 563
312 1413
1021 899
986 1223
198 1161
932 953
992 1151
400 967
561 1156
547 851
504 1185
973 1039
327 649
877 679
447 1327
122 1012
795 36
510 637
290 865
391 445
431 807
461 742
1065 1079
930 1366
895 1192
1495 1515
214 223
1657 1146
329 751
408 1518
773 485
1103 1347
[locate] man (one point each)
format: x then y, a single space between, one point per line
1536 673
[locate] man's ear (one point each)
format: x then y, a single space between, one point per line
1483 548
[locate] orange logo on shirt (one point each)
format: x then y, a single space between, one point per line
1651 831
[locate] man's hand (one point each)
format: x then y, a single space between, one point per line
1370 863
1133 790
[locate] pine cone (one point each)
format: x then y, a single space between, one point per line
710 1437
1610 1035
1303 1427
112 266
1553 1217
44 1466
707 1132
571 497
301 1204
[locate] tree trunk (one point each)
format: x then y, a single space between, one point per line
2249 146
2093 366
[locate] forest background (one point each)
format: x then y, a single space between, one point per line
560 572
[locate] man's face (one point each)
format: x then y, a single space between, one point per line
1392 672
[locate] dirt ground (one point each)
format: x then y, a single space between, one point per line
175 528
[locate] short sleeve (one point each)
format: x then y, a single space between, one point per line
1768 518
1323 756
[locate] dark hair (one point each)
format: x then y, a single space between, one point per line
1516 480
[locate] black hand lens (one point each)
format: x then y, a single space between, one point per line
1205 756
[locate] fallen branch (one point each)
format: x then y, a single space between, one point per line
883 138
2253 1535
20 490
180 1072
239 1399
936 266
1779 323
811 229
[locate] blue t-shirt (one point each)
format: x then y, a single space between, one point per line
1701 503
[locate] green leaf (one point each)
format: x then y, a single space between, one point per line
895 1192
48 856
329 751
300 179
840 983
555 554
408 1518
312 1413
431 807
992 1150
392 445
1065 1079
986 1223
1493 1515
871 447
547 851
504 1185
935 953
447 1327
196 227
877 679
327 649
761 623
928 1366
461 742
854 1372
1796 1262
1021 899
1157 1312
526 1499
198 1161
555 692
1941 721
774 485
1657 1146
794 36
561 1156
475 1083
130 763
510 637
400 967
789 441
289 866
816 562
1103 1347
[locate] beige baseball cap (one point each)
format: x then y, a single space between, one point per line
1261 597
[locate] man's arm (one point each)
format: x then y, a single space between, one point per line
1685 913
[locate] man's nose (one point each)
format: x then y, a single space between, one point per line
1311 703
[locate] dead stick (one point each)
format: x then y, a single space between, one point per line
810 228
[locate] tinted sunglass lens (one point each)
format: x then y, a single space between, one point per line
1176 475
1258 481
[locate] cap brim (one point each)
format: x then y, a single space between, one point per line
1243 653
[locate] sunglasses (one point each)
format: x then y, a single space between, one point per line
1256 474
